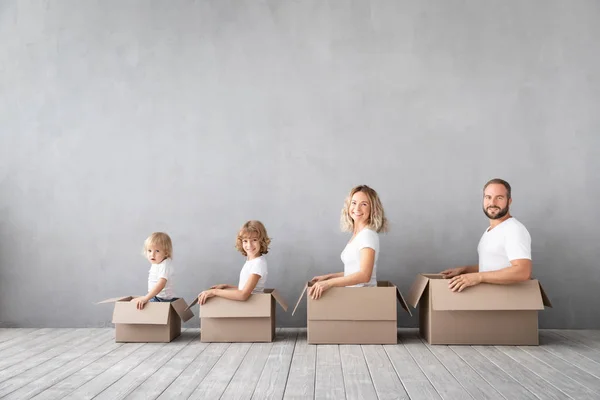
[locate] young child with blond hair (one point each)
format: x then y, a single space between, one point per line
158 249
253 242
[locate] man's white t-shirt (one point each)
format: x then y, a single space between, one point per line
257 266
162 270
508 241
351 254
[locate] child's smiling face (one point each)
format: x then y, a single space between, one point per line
155 254
251 246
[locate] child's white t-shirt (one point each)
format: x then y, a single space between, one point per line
256 266
508 241
351 254
163 270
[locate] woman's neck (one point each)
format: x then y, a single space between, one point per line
359 227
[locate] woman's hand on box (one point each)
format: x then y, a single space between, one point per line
317 290
207 294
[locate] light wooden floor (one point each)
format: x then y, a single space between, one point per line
86 364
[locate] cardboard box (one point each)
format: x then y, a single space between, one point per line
353 315
253 320
483 314
156 322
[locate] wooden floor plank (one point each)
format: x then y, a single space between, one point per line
38 366
559 380
385 380
442 380
572 371
582 337
357 378
494 375
73 382
474 383
61 373
586 351
134 378
7 334
156 384
33 357
589 333
14 353
16 340
329 379
244 380
86 363
533 382
564 349
99 383
215 382
301 379
413 379
273 378
185 384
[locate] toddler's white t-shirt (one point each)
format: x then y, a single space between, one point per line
163 270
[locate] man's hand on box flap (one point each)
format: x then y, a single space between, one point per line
461 282
452 272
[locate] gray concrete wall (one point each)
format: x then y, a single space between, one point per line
120 118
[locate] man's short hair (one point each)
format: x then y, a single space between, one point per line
501 182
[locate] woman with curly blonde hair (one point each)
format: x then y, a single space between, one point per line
363 216
253 242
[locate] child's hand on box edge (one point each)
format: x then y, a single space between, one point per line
140 302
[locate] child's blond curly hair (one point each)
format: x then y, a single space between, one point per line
253 229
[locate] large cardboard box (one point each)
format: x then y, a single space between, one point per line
483 314
156 322
253 320
353 315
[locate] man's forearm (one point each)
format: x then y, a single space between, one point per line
506 275
471 269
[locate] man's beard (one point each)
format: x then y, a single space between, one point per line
500 214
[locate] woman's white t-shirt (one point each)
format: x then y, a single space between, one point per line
351 254
163 270
257 266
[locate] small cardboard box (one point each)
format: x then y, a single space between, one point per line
484 314
253 320
353 315
156 322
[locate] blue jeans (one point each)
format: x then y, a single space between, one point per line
156 299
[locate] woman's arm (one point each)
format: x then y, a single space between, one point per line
367 262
